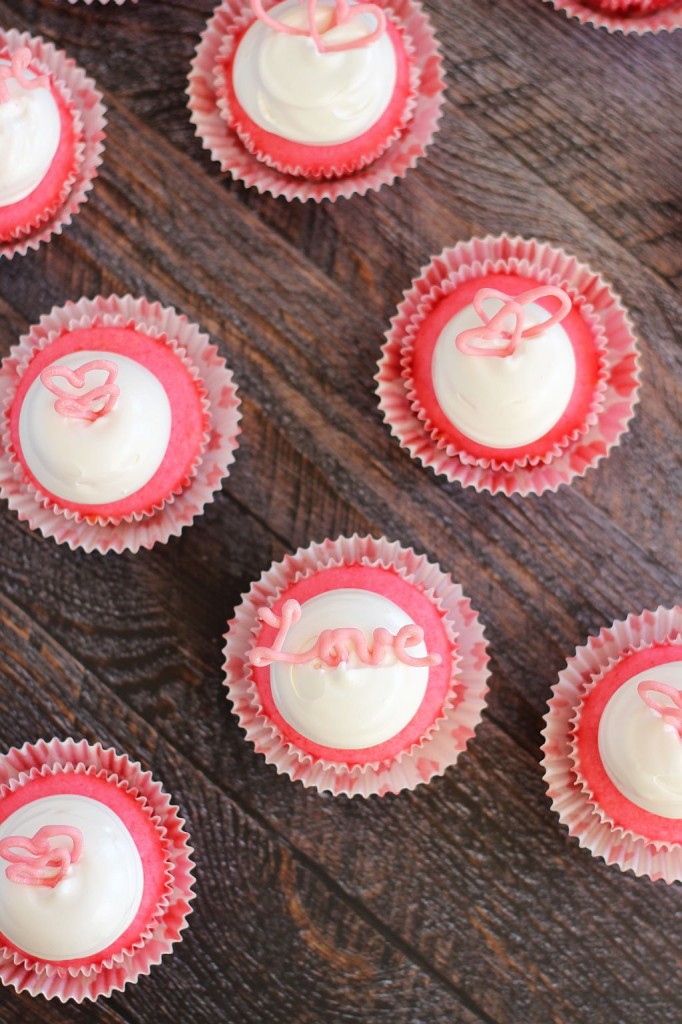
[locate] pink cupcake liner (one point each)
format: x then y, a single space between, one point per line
82 93
568 793
666 20
443 742
618 388
27 974
228 150
179 510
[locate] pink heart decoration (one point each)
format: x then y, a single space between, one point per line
81 406
42 865
21 59
343 13
672 715
492 329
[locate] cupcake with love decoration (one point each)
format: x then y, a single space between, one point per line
51 140
120 421
613 745
627 16
95 871
357 667
319 99
509 367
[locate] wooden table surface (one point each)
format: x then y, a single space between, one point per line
463 901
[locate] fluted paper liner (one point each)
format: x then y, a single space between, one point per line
82 94
666 20
443 742
25 973
178 510
227 149
570 797
617 387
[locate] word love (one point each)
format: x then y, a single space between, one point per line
334 647
85 406
342 14
495 328
670 713
41 864
21 59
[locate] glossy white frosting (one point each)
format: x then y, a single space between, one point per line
105 460
352 706
94 903
504 402
287 87
642 754
29 138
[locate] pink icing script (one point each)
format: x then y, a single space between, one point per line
334 646
81 407
492 328
343 12
21 59
671 714
42 864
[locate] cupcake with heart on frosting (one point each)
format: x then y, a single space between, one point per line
120 422
509 367
51 132
95 870
613 744
356 666
316 100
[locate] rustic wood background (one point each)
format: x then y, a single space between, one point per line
463 902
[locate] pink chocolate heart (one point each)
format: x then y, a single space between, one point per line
672 715
512 306
45 865
343 13
82 406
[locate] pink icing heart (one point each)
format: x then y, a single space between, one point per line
21 59
492 329
81 406
45 865
670 715
344 12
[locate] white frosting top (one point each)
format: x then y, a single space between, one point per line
641 753
100 461
352 706
287 87
29 137
504 402
94 903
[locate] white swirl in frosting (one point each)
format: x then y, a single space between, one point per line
30 129
287 87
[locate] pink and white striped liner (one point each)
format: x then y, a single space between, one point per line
660 21
474 258
87 101
445 740
569 797
228 150
24 973
179 510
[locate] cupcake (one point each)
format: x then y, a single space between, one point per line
119 423
51 128
628 16
358 108
509 367
356 666
613 745
95 870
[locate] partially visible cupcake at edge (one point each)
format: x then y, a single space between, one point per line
120 421
51 132
357 666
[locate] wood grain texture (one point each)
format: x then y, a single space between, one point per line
463 901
